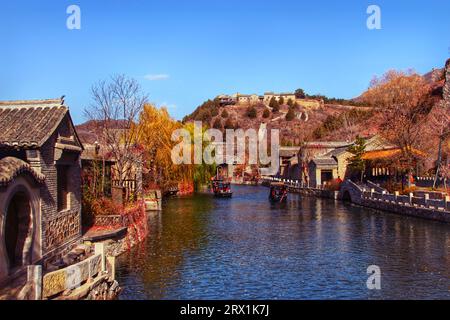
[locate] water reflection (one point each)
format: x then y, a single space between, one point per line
245 248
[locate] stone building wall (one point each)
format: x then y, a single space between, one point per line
58 228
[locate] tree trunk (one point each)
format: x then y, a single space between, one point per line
439 159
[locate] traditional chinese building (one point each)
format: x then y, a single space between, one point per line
40 183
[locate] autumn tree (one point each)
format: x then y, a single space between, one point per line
228 124
116 105
440 124
224 114
156 127
403 100
217 124
214 111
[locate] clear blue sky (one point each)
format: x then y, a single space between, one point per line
198 49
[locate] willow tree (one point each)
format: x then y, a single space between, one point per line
201 173
155 132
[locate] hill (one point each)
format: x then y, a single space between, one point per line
335 119
329 121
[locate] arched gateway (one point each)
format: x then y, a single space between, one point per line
19 215
18 230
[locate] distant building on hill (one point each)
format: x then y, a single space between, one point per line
252 99
286 96
248 99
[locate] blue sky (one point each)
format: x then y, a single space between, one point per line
184 52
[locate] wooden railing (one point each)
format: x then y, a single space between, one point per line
128 186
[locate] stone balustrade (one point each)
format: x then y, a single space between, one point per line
427 206
73 276
92 278
409 200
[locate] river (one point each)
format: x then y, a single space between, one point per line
201 247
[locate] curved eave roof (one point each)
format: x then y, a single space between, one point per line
29 124
390 153
11 167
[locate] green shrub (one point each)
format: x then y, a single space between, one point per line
290 115
217 124
251 112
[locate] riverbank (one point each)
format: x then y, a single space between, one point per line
93 276
378 198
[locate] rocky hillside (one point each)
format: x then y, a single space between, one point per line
336 119
330 121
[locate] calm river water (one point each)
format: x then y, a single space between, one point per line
201 247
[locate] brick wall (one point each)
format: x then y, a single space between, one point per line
59 228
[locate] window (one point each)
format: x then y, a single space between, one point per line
63 187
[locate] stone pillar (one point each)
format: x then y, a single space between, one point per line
426 197
139 188
447 203
411 195
34 279
100 249
111 267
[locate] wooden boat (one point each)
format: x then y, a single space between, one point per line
221 189
172 191
278 192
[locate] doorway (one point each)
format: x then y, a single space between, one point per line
18 230
326 175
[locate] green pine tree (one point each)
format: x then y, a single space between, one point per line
290 115
274 105
356 162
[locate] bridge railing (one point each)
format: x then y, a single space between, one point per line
295 183
409 200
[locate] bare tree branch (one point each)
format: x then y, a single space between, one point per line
115 109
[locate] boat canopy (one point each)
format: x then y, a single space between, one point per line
277 184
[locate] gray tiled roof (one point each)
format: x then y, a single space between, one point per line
336 152
29 124
327 144
10 167
325 161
